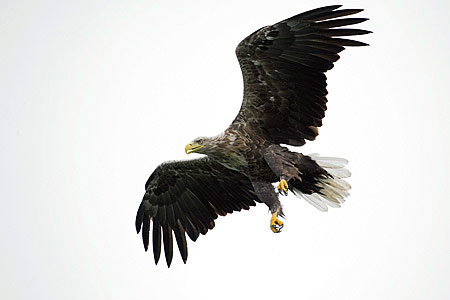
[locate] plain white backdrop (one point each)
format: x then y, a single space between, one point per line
95 94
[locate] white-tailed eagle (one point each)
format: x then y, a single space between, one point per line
283 67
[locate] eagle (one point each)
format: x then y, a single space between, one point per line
283 67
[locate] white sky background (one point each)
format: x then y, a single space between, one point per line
95 94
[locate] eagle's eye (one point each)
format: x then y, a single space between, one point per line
200 141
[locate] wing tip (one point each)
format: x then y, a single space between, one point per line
330 7
327 13
139 219
363 31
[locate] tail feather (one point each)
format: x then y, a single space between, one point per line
339 173
314 200
329 162
329 202
330 189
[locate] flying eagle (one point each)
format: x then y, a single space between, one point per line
283 68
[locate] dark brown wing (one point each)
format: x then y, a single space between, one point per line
284 67
186 197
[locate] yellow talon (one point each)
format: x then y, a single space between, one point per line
275 224
283 187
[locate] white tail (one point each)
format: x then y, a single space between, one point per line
333 190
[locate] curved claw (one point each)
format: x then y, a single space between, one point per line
276 228
283 187
275 224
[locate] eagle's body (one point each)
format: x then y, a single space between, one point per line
283 67
239 149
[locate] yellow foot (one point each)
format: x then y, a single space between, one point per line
275 224
283 187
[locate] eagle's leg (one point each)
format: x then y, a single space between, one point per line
275 224
266 193
282 162
283 187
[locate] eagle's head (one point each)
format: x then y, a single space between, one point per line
216 146
199 145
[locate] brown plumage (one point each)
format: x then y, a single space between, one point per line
283 67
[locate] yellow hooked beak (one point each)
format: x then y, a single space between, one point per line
192 147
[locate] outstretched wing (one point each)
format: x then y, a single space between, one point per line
186 197
284 67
